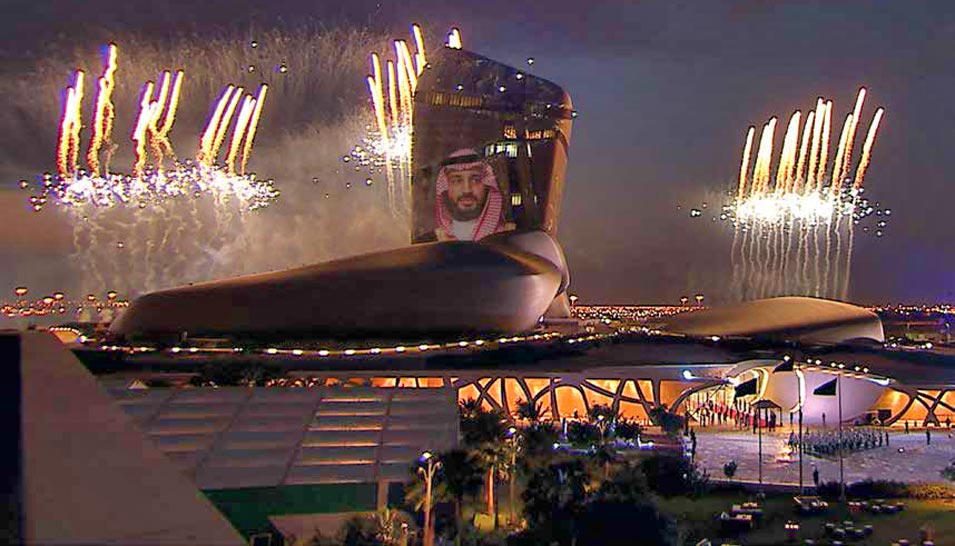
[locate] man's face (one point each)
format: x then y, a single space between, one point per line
466 193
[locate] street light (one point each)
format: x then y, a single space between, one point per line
699 300
512 439
789 365
430 466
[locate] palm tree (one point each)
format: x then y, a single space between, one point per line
529 411
554 498
461 477
483 433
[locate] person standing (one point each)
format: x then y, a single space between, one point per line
928 437
815 476
823 419
906 427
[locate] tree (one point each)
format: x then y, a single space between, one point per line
628 430
670 422
627 484
604 417
583 434
554 498
357 531
529 411
461 477
670 475
483 433
538 441
604 522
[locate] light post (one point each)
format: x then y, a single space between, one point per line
789 365
699 300
430 466
834 388
512 439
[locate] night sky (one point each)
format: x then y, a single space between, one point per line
666 91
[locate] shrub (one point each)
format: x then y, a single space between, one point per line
949 472
931 491
729 469
671 423
582 434
887 489
669 476
877 489
627 429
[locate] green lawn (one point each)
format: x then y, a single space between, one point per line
248 509
698 519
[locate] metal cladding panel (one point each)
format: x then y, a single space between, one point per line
336 455
341 438
181 443
284 423
401 453
259 439
237 477
329 436
475 114
348 422
317 474
163 425
199 410
276 397
332 408
398 471
233 395
239 457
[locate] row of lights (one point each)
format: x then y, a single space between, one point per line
360 351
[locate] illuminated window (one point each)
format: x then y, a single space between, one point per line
516 199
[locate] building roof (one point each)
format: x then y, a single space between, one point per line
236 437
811 320
89 475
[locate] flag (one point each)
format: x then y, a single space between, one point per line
787 366
747 388
826 389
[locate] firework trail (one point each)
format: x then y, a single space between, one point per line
104 112
867 149
132 230
388 146
788 228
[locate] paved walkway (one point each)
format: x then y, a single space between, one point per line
916 462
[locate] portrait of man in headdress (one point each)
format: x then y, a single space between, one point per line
468 202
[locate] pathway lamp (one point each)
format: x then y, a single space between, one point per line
429 465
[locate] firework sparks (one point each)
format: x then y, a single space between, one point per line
104 111
867 149
387 147
802 211
153 181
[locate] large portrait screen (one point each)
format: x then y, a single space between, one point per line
490 147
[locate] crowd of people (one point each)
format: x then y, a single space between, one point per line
828 442
739 414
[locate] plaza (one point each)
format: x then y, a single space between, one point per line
906 458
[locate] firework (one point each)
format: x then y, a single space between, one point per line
104 111
156 181
794 235
387 147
